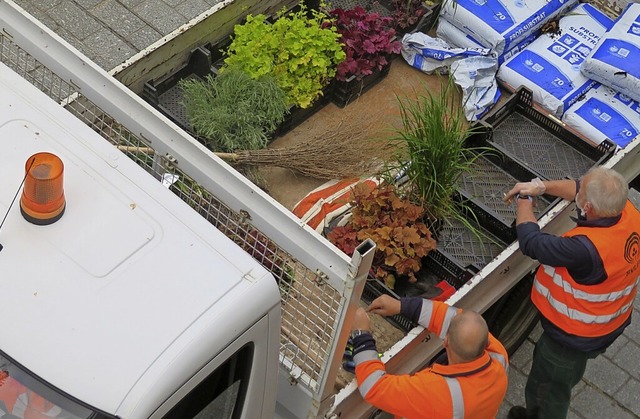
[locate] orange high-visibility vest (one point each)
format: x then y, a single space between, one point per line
600 309
468 390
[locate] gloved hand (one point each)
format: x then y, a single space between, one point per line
534 188
348 364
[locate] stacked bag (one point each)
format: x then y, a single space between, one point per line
502 26
611 109
585 73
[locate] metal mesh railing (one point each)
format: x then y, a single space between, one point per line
310 307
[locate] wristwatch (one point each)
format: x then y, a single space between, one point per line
518 196
358 332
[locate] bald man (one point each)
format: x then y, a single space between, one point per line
471 384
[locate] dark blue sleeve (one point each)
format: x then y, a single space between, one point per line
410 307
577 253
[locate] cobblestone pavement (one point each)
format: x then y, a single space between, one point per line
111 31
611 383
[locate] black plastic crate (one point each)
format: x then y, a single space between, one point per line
482 191
542 144
166 96
345 92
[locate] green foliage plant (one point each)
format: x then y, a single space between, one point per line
300 49
233 111
394 223
433 154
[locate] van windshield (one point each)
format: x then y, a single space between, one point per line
24 396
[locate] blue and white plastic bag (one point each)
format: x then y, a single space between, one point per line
605 113
550 65
456 38
430 55
477 78
615 62
501 24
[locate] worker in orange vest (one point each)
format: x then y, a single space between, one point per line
18 402
471 384
585 285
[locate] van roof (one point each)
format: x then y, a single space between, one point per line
126 281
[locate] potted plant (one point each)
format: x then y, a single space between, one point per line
415 15
299 49
433 155
369 42
394 223
233 111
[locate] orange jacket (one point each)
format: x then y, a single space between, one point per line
469 390
599 309
24 403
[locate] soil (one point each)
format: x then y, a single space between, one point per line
376 111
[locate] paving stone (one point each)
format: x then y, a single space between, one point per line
130 3
633 331
40 4
117 17
521 359
606 375
144 37
109 49
628 396
615 347
87 4
536 333
591 403
44 18
192 8
159 16
504 410
515 390
75 20
627 359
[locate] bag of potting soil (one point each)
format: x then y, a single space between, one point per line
614 62
328 202
476 77
550 65
501 24
605 113
456 38
429 54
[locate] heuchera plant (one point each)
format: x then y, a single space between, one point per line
300 49
367 38
407 12
394 224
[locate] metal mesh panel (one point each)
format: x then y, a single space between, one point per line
310 306
552 158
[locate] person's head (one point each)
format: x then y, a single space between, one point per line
603 193
467 337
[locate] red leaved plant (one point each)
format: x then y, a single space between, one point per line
406 13
368 40
394 224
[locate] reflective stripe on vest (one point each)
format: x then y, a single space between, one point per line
578 315
373 378
427 311
591 310
501 359
457 401
583 295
